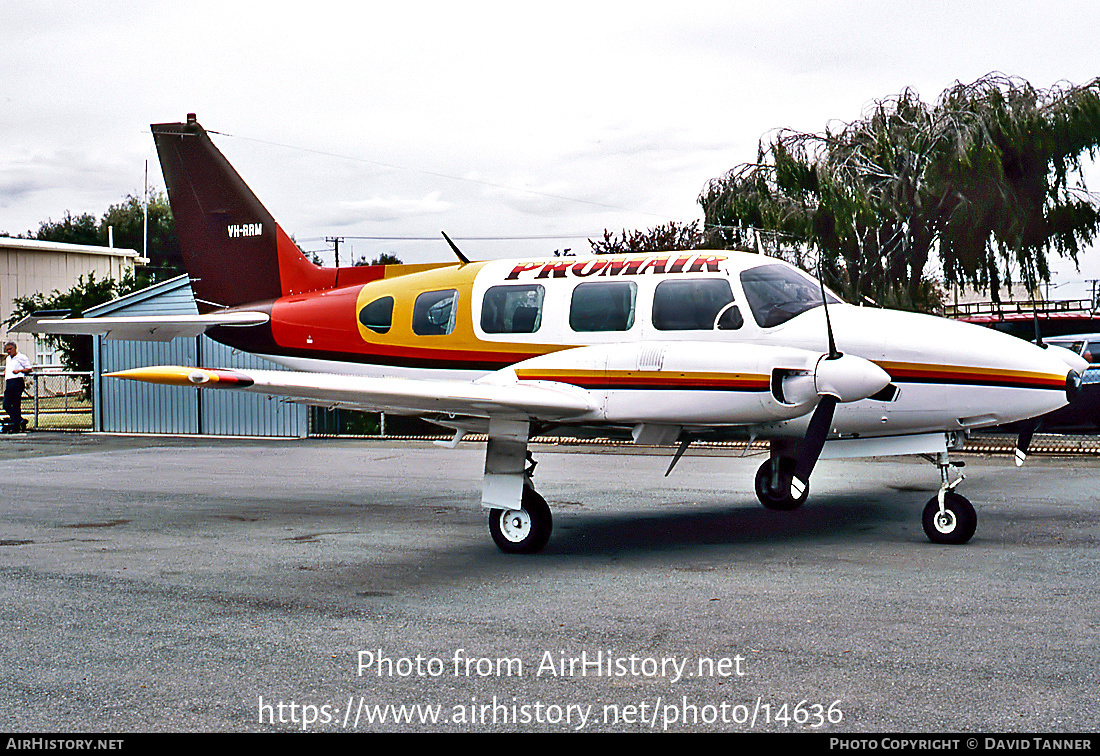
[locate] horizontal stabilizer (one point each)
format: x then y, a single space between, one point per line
161 328
398 395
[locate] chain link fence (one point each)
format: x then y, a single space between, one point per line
58 400
1056 444
326 423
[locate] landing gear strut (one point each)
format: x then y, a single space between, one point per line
519 519
948 517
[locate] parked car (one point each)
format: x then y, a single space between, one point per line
1083 413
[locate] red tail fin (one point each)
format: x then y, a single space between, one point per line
234 251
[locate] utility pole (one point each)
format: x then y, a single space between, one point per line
145 219
335 242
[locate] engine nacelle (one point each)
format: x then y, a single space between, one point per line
700 383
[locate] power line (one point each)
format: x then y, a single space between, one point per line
460 238
437 174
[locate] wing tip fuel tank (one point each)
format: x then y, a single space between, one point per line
173 375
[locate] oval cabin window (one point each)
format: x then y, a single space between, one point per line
378 315
695 304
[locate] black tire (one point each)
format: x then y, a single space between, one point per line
779 497
957 524
522 531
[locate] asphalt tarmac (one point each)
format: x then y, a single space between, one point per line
159 584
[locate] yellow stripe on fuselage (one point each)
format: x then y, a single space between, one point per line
649 379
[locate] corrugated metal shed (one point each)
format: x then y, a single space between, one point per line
133 407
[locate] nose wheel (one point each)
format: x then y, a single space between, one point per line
949 517
522 531
953 523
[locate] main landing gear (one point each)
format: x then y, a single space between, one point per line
525 530
773 478
519 518
773 485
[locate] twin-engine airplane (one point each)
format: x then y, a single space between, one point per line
672 346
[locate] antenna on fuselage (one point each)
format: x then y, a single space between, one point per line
454 247
1033 284
833 353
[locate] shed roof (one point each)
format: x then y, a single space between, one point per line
156 290
34 245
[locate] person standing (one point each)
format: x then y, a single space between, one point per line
15 371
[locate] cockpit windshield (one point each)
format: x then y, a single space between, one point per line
776 293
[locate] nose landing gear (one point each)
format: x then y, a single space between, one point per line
949 518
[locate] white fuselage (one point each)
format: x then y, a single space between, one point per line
947 376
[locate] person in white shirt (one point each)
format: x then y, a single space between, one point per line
15 371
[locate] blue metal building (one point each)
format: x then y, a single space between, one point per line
133 407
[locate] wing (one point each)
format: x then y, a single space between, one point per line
159 328
723 385
549 401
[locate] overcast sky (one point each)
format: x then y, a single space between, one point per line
481 119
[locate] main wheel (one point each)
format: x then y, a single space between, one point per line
778 496
955 525
522 531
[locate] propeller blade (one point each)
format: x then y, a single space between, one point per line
810 448
1024 441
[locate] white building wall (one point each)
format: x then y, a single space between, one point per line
28 267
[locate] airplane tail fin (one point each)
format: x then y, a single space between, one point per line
234 251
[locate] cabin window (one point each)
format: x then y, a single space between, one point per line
776 293
512 309
378 315
700 304
434 313
599 306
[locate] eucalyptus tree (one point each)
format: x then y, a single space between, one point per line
988 180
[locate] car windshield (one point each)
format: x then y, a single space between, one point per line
1091 352
776 293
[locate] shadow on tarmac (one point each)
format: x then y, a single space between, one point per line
834 518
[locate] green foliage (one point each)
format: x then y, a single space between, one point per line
72 229
988 179
76 351
383 259
128 219
665 238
